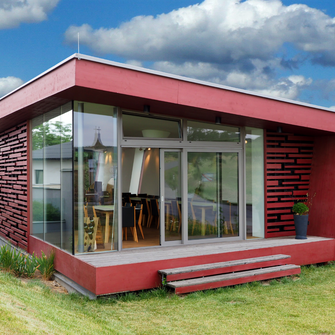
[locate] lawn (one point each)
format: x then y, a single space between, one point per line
300 305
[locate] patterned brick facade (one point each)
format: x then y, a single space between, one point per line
288 162
13 186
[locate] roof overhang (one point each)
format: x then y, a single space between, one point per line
90 79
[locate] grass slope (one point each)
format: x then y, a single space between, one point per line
302 306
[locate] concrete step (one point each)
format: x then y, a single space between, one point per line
230 279
73 287
203 270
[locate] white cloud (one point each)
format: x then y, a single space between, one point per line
135 63
216 31
15 12
258 80
9 84
239 43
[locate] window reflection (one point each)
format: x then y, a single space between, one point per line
199 131
254 151
95 162
148 127
213 197
52 177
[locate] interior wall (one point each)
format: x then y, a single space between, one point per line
148 171
322 188
150 177
127 167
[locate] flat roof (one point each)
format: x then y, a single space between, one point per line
166 75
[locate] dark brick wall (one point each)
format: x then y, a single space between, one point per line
13 186
288 162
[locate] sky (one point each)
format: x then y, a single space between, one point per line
284 49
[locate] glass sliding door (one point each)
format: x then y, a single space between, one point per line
213 195
171 190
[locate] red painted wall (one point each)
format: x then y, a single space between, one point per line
40 89
68 265
13 186
322 185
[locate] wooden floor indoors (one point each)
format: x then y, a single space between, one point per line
151 238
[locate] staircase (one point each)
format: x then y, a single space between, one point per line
208 276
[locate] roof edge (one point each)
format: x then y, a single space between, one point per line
74 56
166 75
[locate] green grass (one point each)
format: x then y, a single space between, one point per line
302 306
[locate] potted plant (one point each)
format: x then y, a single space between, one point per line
300 211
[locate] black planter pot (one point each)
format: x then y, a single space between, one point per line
301 223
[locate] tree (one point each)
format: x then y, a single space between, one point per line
51 133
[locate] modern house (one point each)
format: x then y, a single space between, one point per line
200 173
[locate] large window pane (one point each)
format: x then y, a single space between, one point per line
148 127
37 177
255 182
52 166
199 131
213 197
51 191
95 175
66 179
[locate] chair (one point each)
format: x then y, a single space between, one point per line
129 221
142 195
126 197
226 217
128 204
91 229
154 211
146 211
89 210
138 209
176 215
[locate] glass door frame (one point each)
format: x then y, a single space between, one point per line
186 146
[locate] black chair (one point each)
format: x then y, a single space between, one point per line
146 211
128 204
138 209
129 221
154 211
142 195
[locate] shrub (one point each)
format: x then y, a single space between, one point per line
6 258
46 265
300 208
14 261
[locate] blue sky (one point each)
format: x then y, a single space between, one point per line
279 48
